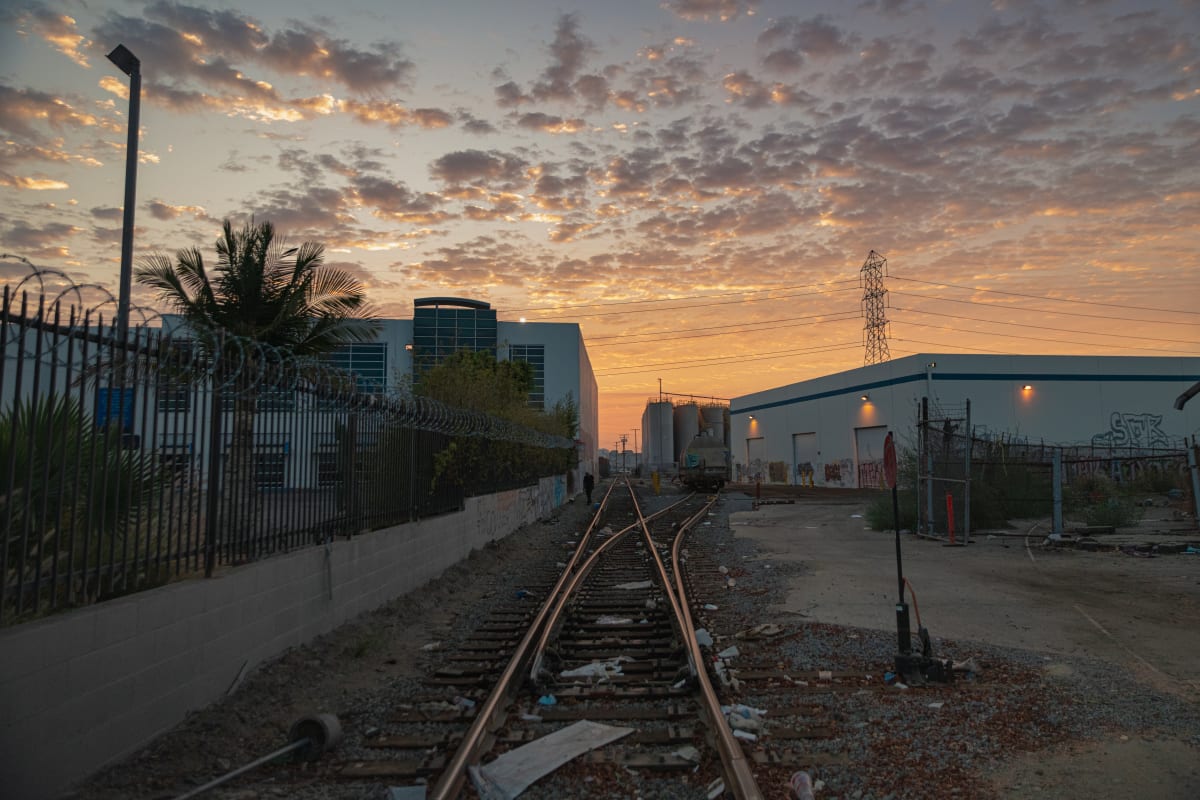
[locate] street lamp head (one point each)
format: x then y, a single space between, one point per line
125 61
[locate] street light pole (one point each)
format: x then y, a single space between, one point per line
128 63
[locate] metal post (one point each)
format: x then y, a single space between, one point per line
1195 470
967 485
1056 483
128 63
928 456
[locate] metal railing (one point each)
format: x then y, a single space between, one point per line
128 464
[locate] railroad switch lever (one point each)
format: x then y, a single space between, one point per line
308 739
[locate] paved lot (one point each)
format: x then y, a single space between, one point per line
1139 614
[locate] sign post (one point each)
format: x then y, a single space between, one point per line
903 630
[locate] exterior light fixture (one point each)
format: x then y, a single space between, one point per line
408 347
865 397
752 417
522 320
1027 387
931 364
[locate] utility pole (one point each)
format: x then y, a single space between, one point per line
624 460
636 457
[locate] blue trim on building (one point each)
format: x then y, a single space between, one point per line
960 376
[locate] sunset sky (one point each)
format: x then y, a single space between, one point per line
696 182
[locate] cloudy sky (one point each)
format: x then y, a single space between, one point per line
696 182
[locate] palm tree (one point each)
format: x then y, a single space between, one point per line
264 291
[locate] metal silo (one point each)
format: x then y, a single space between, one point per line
687 425
712 417
658 436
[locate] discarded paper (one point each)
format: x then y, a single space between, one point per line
515 771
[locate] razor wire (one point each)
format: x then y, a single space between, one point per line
235 366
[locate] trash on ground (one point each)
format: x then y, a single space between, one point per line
513 772
763 631
597 669
464 702
730 583
703 638
738 733
547 700
431 646
824 675
856 516
530 718
723 570
744 718
801 786
729 652
716 789
709 607
688 753
632 585
523 593
612 619
406 792
938 704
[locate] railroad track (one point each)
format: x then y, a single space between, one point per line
605 666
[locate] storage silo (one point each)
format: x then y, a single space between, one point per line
658 436
687 425
712 417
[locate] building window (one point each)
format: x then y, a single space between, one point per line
439 331
535 356
367 362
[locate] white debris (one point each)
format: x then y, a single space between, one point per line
633 585
729 652
597 669
703 638
611 619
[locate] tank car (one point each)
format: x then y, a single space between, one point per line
704 463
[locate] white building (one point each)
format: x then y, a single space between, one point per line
830 429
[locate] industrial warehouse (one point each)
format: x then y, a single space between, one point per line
830 431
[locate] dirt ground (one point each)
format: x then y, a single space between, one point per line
1139 614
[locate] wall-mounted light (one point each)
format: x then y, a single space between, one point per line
865 397
1027 387
751 416
931 364
408 347
522 320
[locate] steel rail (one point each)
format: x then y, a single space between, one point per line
562 599
450 784
684 624
737 768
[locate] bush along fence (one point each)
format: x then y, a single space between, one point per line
129 461
956 480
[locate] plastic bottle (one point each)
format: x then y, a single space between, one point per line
802 787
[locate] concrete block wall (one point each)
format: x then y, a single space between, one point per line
81 689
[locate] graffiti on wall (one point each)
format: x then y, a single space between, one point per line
777 470
839 473
1133 430
870 474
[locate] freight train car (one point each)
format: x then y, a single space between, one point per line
704 465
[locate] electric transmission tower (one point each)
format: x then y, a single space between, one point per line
874 300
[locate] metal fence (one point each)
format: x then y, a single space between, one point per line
127 463
967 479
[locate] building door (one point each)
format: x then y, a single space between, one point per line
868 452
804 456
756 459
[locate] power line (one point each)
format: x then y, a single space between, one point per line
674 299
667 365
1041 327
1042 297
1105 317
697 305
1054 341
721 332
